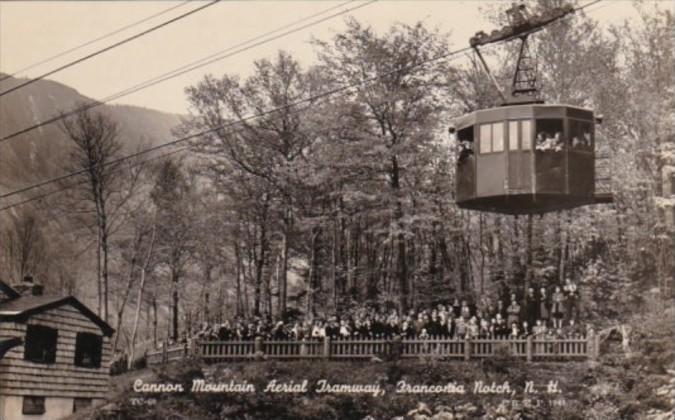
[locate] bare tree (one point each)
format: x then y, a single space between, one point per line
173 196
24 247
96 146
146 266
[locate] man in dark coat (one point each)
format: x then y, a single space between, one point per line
531 306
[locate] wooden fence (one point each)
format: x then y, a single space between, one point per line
529 349
168 354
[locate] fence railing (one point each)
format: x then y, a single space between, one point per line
168 354
355 348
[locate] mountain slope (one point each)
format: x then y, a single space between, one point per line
39 154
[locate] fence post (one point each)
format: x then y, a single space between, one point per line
467 348
258 345
165 356
326 347
528 348
594 346
194 346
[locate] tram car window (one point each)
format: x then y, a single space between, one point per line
465 164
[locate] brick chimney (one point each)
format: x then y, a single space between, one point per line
28 287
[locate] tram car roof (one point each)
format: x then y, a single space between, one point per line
521 111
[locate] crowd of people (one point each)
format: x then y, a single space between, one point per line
552 315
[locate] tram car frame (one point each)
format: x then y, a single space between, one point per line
526 159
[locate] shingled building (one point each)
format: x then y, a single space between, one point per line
54 354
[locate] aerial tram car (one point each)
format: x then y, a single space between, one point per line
525 157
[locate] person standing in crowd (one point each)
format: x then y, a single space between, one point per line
345 331
526 329
450 325
473 328
572 330
501 327
515 332
456 308
484 328
491 309
434 326
513 311
539 330
543 306
501 309
460 328
571 292
318 330
531 306
465 311
420 323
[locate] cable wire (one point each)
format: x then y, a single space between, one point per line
93 41
190 67
108 48
75 184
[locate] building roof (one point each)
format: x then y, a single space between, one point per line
20 308
8 291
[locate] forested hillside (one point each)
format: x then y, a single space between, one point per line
40 153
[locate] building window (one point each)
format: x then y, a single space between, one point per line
88 350
80 404
40 344
492 138
33 405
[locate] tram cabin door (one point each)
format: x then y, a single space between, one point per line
520 157
491 165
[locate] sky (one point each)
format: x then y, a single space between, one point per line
31 31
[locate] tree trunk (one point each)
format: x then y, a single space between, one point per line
402 263
174 299
139 298
260 263
481 247
208 268
99 283
277 276
311 273
154 321
528 261
127 291
237 255
104 244
283 293
333 266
